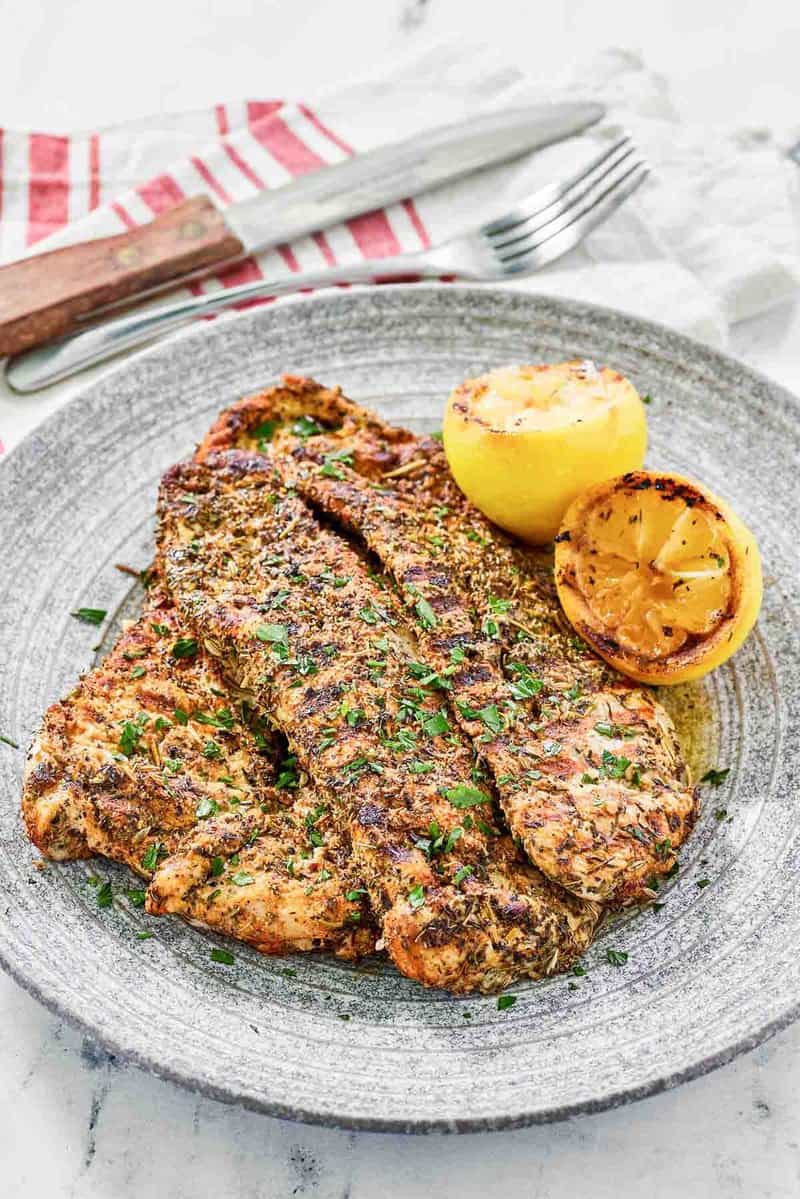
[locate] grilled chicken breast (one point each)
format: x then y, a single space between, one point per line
152 761
302 628
587 765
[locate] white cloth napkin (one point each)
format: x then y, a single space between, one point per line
713 237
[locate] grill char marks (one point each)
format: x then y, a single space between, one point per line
300 625
149 762
587 764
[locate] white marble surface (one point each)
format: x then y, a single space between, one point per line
73 1122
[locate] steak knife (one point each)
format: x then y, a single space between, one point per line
46 295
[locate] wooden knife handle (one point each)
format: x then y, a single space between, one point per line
42 297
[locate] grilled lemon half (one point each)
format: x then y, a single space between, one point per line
524 441
658 575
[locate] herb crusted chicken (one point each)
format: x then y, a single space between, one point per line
154 762
300 625
587 765
352 716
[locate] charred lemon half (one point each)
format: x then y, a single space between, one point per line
658 575
524 441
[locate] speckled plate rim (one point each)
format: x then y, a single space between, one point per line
696 354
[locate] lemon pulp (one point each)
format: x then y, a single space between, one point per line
658 575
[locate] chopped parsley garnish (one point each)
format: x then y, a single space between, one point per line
217 867
265 431
703 882
616 957
425 614
207 807
614 767
288 777
355 895
416 896
504 1002
138 672
492 718
454 835
437 724
720 813
105 896
7 741
90 615
131 734
180 717
242 879
160 630
716 777
311 822
212 750
525 685
551 748
305 665
223 956
647 399
306 426
137 896
473 535
419 767
466 797
330 469
274 634
429 678
462 873
498 606
221 719
185 647
369 615
153 853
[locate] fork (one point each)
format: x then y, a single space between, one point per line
540 229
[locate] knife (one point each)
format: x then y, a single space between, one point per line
46 295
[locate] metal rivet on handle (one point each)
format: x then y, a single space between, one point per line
191 229
128 255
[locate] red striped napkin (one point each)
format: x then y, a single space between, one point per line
652 258
48 182
57 189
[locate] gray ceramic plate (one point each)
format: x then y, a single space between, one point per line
711 974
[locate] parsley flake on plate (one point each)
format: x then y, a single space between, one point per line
90 615
716 777
223 956
466 797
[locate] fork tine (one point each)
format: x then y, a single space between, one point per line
549 195
568 199
567 213
568 235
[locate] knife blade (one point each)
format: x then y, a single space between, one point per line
380 177
46 295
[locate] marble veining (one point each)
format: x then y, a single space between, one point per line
77 1124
